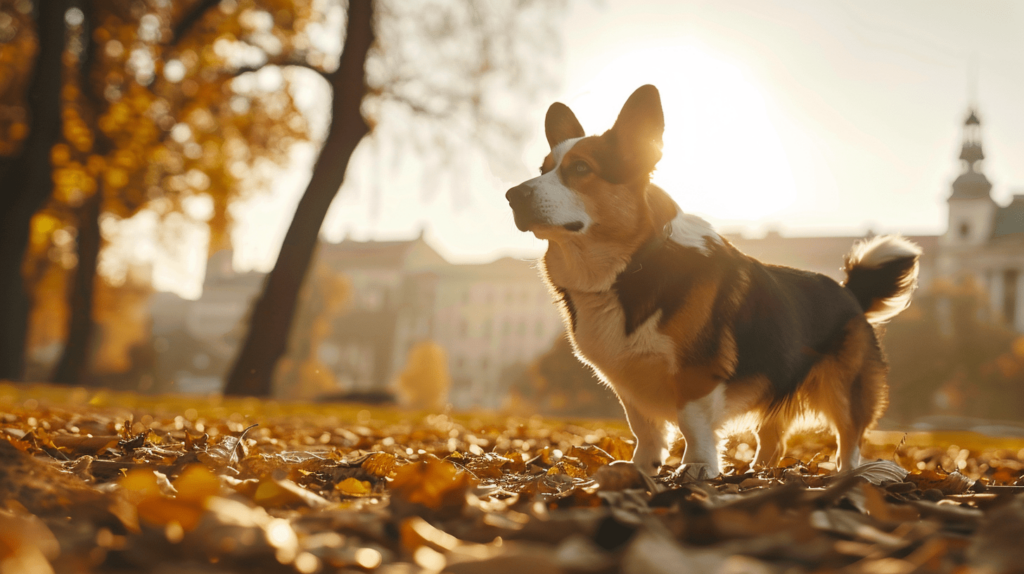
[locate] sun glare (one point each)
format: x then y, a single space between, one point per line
723 158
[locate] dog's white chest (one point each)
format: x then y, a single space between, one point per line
602 339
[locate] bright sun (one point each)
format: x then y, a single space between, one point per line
723 158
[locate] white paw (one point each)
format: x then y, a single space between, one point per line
696 471
648 462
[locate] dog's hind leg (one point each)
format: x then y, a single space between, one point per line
869 396
651 438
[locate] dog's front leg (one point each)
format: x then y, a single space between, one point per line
698 420
651 439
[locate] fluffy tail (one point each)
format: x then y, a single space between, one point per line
881 272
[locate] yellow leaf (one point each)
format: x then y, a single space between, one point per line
276 493
197 483
434 484
140 483
353 487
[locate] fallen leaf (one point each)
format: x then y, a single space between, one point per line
280 493
952 483
433 484
353 487
380 464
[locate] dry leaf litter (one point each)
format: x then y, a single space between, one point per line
93 481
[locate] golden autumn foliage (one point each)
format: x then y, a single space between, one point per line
18 47
424 383
173 121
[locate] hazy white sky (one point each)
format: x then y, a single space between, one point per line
811 117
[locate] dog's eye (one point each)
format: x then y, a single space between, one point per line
581 168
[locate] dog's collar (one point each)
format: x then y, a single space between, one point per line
648 247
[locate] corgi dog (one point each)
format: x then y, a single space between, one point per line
689 332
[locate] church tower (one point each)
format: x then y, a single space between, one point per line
971 209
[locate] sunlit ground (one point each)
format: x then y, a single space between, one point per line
312 424
98 481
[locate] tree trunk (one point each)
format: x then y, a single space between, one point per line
26 184
73 366
273 312
74 360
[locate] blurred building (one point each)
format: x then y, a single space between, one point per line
984 241
196 340
489 317
492 318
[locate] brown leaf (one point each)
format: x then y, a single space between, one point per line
592 457
133 442
433 484
88 444
226 452
380 464
952 483
616 448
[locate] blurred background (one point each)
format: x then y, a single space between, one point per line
304 199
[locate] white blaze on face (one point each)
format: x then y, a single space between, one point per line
553 202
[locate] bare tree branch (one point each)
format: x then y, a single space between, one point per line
192 17
282 62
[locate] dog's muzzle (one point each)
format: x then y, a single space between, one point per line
520 199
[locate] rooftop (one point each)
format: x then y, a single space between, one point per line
1010 219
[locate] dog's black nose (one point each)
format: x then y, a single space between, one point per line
519 193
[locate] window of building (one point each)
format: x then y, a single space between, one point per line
1010 279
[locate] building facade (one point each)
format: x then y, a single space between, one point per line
984 241
489 318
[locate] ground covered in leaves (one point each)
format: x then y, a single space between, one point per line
92 481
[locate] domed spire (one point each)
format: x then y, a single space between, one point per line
972 183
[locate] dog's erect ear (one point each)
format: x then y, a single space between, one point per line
636 135
561 124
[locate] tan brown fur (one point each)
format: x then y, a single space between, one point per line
841 385
622 220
